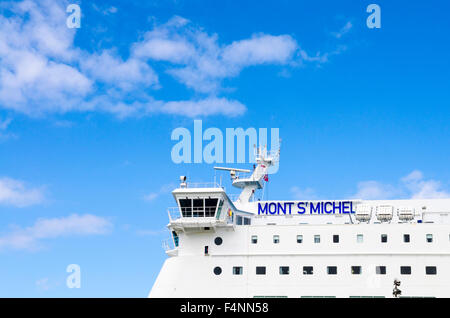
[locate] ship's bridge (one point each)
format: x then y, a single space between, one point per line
201 207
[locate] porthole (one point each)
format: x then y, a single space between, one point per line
217 270
218 240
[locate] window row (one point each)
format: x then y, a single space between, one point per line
335 239
331 270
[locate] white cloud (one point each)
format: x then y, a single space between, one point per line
424 189
36 50
43 284
204 61
260 49
30 238
16 193
191 108
344 30
5 123
163 190
205 107
413 186
303 194
109 68
105 11
374 190
42 71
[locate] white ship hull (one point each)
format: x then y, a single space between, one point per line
350 248
191 275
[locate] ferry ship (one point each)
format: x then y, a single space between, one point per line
249 248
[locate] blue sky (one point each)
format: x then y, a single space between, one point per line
86 117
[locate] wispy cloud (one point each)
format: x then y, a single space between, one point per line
30 238
163 190
344 30
43 284
413 186
105 10
421 188
17 193
5 123
303 194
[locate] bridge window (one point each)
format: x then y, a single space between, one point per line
284 270
356 270
186 207
380 270
260 270
238 220
299 239
210 207
308 270
431 270
429 238
332 270
405 270
254 239
237 270
198 208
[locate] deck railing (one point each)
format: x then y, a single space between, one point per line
176 213
203 185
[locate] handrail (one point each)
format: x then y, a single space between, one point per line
203 185
175 213
167 244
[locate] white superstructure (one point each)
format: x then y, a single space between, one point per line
336 248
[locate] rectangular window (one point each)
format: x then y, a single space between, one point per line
405 270
356 270
359 238
308 270
299 239
238 220
254 239
335 238
429 238
186 207
383 238
206 250
431 270
332 270
237 270
210 207
406 238
260 270
276 239
316 238
198 208
380 270
176 239
247 221
284 270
